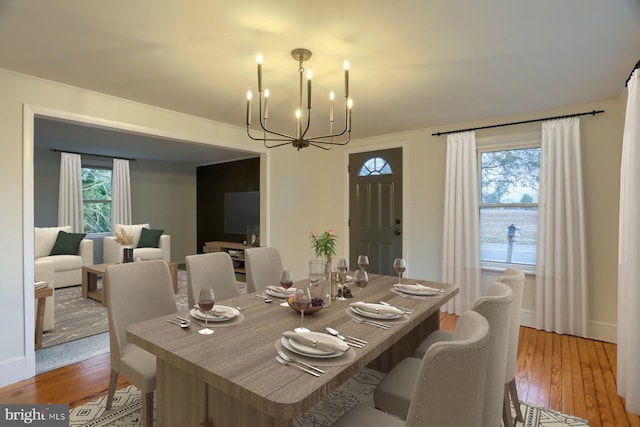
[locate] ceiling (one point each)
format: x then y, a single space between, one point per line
414 63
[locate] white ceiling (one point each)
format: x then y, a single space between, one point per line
414 63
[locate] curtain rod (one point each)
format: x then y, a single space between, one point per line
594 112
90 154
631 73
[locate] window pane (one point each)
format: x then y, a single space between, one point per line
498 244
375 166
96 184
510 176
97 217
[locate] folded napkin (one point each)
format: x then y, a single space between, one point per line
317 340
281 290
417 288
376 308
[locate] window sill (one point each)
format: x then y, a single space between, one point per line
500 267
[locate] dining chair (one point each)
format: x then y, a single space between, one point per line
263 266
514 278
135 292
394 393
211 270
449 382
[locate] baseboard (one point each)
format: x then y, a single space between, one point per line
16 369
601 331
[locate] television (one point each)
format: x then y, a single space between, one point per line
241 212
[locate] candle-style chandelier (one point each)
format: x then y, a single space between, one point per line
272 139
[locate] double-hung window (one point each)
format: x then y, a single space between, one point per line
509 182
96 195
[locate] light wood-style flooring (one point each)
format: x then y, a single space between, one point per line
573 375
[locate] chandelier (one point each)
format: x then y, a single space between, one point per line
272 139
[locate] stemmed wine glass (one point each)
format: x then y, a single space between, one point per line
363 262
206 301
342 268
302 301
285 281
360 279
399 265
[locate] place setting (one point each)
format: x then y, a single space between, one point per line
311 349
414 290
382 316
207 311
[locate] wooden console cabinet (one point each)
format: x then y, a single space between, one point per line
235 251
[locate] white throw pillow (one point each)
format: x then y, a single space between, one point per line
134 230
45 238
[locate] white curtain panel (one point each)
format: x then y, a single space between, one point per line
70 209
561 278
629 253
461 239
120 193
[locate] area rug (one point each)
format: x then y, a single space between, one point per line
77 317
126 409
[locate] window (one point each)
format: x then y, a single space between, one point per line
375 166
96 198
509 180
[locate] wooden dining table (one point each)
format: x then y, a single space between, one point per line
232 377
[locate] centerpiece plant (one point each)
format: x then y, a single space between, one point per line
324 244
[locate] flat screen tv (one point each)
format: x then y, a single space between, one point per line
241 212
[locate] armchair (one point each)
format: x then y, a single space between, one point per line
112 250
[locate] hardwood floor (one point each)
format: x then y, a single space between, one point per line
574 375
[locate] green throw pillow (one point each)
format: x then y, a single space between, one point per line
67 243
149 238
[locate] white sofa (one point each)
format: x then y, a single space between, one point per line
112 250
44 273
67 268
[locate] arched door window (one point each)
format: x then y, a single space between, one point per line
375 166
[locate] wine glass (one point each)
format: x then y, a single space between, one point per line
206 301
342 268
399 265
301 301
363 262
360 279
285 282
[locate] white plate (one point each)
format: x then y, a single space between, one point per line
364 313
229 312
277 291
417 292
287 343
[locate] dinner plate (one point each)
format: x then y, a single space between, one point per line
278 291
381 316
223 310
308 351
417 291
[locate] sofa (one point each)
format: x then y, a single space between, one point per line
67 267
154 248
44 273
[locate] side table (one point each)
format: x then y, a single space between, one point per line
41 294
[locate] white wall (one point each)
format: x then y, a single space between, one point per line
301 191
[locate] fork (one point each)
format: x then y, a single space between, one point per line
369 322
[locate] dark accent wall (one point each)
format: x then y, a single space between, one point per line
212 182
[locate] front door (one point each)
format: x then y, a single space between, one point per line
375 208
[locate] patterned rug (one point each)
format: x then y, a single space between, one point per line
77 317
126 409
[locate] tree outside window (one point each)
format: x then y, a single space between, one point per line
96 194
509 181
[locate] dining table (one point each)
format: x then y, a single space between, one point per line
232 377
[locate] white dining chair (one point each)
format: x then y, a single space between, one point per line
263 266
393 394
135 292
514 278
211 270
448 382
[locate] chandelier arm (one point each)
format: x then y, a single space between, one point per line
276 145
308 123
268 139
283 135
320 146
312 140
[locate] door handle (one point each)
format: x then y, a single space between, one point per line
397 232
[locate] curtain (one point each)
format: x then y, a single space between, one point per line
70 210
561 278
461 239
629 252
120 194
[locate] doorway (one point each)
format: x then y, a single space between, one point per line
375 208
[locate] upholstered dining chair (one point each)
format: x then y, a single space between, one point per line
449 382
211 270
263 266
393 394
135 292
514 278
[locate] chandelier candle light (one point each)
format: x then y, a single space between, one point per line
301 140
